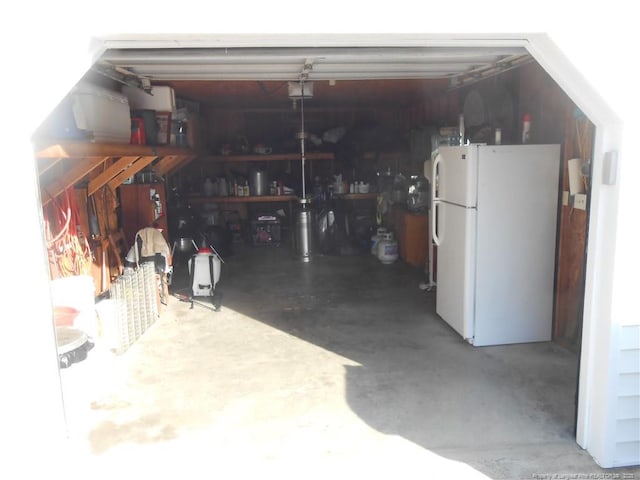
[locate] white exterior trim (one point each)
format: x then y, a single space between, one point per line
597 395
605 293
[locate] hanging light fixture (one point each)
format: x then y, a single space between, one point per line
302 136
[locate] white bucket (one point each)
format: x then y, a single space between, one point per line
77 292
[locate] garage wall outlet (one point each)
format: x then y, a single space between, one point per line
580 201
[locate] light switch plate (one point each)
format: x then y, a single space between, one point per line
575 176
580 201
565 198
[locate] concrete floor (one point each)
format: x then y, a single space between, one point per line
338 367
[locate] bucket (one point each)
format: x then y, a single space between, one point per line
64 316
76 293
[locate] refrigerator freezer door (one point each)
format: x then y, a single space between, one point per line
516 242
456 174
456 258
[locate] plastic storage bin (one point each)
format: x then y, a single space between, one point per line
90 113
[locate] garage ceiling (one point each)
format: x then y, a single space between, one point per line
341 75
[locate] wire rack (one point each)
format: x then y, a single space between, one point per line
134 295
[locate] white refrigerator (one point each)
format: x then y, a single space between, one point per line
494 214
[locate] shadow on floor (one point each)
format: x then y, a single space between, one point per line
412 376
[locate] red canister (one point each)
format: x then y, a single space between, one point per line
138 136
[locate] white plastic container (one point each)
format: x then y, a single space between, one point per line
103 114
375 238
387 249
202 265
77 292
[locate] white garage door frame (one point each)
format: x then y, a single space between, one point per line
601 334
599 369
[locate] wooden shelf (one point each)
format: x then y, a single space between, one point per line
63 164
76 149
355 196
274 198
251 199
274 157
385 156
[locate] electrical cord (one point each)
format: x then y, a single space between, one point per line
68 255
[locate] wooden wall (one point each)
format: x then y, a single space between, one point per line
572 245
557 119
277 127
371 129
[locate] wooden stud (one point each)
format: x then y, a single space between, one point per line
165 164
110 172
134 168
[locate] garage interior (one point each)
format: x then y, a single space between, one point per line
344 331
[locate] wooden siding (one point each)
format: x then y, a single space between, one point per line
627 448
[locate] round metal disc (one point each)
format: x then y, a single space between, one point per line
68 339
474 109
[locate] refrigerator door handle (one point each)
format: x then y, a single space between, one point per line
434 222
434 199
434 178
